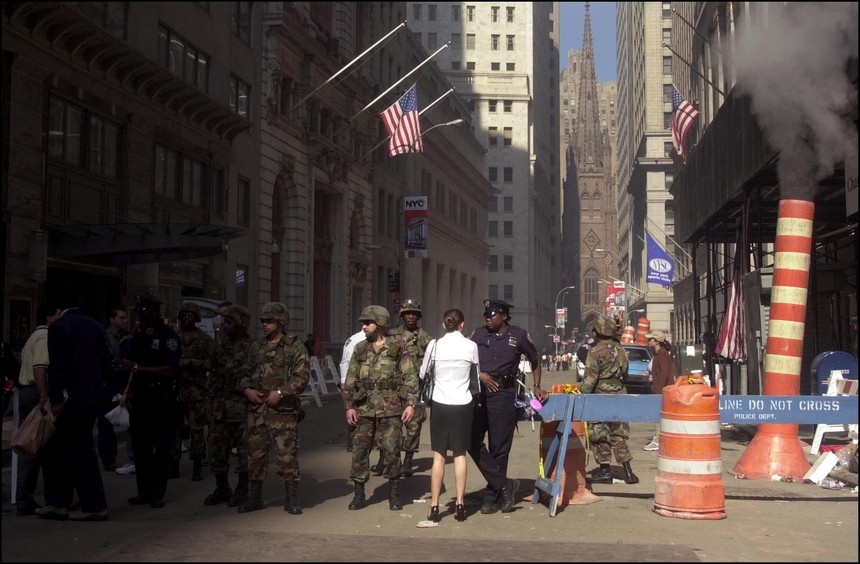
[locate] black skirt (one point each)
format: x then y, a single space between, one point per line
451 427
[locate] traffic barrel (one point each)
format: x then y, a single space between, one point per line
689 483
776 448
642 329
573 490
627 335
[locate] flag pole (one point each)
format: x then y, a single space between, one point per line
683 60
670 238
349 64
421 113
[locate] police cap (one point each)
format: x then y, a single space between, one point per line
604 326
411 306
147 302
192 308
376 313
492 307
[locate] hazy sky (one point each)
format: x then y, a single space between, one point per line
602 31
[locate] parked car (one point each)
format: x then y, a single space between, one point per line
638 376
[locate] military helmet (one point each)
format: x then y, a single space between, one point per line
275 311
192 308
604 326
376 313
411 306
237 313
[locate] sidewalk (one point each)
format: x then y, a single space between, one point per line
766 521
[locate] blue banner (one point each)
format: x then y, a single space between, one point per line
661 266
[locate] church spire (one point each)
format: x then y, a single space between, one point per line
588 140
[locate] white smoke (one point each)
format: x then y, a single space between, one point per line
795 69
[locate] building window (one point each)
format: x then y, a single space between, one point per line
493 205
455 65
667 35
509 292
455 13
470 42
667 120
112 16
243 202
509 174
667 93
510 42
493 104
667 9
416 12
508 264
493 174
494 291
416 35
494 14
495 66
667 65
470 13
183 59
667 149
510 67
510 14
241 20
509 204
178 176
509 136
431 12
456 41
493 229
508 228
591 287
470 65
494 42
493 136
494 263
431 41
219 193
240 96
509 106
84 139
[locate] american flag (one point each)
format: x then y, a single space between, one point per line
402 122
731 342
684 115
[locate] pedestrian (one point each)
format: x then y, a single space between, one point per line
605 368
278 372
194 364
500 345
116 332
226 406
662 374
309 344
348 347
379 395
80 363
416 339
153 359
455 360
33 393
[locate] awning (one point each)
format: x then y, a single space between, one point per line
138 243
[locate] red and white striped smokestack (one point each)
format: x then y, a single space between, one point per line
775 449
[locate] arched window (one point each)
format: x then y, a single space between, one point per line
585 205
595 205
592 287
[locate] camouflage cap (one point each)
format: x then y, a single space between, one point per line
604 326
190 307
237 313
376 313
276 311
411 306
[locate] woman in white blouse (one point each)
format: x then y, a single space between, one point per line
455 358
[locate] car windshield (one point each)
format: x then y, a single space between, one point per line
638 355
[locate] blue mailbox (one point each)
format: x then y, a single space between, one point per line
828 361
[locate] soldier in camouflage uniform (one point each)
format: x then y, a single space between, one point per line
605 370
379 395
416 339
227 407
278 371
197 350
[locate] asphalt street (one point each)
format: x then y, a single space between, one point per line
766 521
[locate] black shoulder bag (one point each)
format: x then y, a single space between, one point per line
425 392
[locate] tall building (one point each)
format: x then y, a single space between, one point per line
645 156
503 59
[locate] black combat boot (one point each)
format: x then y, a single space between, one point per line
508 495
197 470
255 498
222 491
291 500
240 494
407 464
629 476
379 467
394 495
358 501
602 475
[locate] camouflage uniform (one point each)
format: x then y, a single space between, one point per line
284 367
192 391
228 407
605 368
378 386
416 344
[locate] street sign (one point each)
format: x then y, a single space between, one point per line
556 339
561 317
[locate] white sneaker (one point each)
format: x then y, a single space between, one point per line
127 469
650 446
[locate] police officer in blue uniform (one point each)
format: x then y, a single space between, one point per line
499 348
152 359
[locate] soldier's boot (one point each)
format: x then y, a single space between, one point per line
291 499
255 498
240 494
394 495
379 467
197 470
602 475
222 492
349 438
629 476
408 470
358 501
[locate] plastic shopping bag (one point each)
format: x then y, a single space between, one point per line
34 432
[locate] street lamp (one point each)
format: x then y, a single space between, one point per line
457 121
564 323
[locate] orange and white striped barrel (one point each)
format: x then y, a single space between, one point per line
642 329
776 449
689 483
627 335
573 490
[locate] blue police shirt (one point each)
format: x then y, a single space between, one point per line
500 353
156 345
